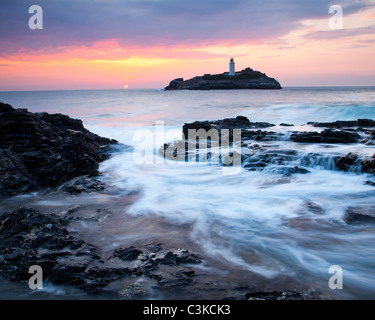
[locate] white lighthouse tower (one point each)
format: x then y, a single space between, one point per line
231 67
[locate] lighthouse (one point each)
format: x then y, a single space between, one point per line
231 67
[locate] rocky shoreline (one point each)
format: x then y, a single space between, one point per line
259 149
56 153
39 150
30 237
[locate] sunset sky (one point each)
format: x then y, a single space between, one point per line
109 44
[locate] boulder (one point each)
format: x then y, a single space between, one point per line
40 150
368 164
357 216
347 162
353 161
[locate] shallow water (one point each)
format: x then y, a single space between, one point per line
258 223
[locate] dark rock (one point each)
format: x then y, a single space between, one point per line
83 184
366 123
273 295
294 170
256 157
43 150
29 237
175 84
178 256
277 162
152 255
346 162
5 107
240 122
127 254
133 291
370 183
245 79
326 136
356 216
313 207
353 161
286 125
243 119
368 164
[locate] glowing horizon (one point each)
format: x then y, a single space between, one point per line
298 49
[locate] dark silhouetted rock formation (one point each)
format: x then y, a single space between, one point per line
245 79
43 150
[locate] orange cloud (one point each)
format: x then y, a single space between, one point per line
309 55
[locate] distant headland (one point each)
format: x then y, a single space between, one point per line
244 79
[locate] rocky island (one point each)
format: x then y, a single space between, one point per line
245 79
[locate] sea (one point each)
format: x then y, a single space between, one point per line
251 222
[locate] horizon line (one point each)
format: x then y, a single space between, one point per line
162 89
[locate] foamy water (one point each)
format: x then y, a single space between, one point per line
257 221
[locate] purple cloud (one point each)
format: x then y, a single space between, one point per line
150 22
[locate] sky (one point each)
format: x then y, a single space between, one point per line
119 44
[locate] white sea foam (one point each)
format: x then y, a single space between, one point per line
258 221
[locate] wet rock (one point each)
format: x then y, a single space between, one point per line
39 238
370 183
366 123
357 216
313 207
170 268
70 210
368 164
286 125
177 256
29 237
156 254
260 136
367 142
288 171
276 161
255 157
240 122
347 162
40 150
133 291
83 184
127 254
353 161
326 136
273 295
